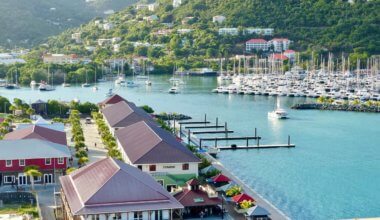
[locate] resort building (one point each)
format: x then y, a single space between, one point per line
123 114
277 57
218 19
60 58
107 26
256 44
259 31
184 31
51 159
111 100
104 42
280 44
151 18
228 31
197 198
76 37
40 107
141 6
177 3
110 189
153 6
156 151
8 59
291 54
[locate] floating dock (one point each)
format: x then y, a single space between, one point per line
264 146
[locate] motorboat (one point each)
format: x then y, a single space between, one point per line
66 85
109 93
174 90
33 84
278 114
84 85
45 87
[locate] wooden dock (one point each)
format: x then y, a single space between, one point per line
264 146
205 126
213 132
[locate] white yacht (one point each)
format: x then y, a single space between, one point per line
174 90
33 84
45 87
278 114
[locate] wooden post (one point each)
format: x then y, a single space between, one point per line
180 130
216 122
247 142
200 143
258 142
225 129
188 136
216 142
255 132
174 126
205 119
288 140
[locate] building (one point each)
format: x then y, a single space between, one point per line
111 100
111 189
277 57
218 19
177 3
76 37
104 42
40 107
153 6
107 26
8 59
141 6
123 114
228 31
60 58
156 151
291 54
38 132
51 158
256 44
280 44
116 48
184 31
151 18
197 198
259 31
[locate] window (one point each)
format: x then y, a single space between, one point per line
117 216
8 163
9 179
37 179
48 161
139 166
137 216
185 166
21 163
152 167
61 160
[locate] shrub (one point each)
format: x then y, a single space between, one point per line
233 191
246 204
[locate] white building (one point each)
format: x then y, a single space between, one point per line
8 59
153 6
141 6
228 31
103 42
256 44
280 44
107 26
259 31
291 54
218 19
184 31
60 58
116 48
177 3
116 39
90 48
77 37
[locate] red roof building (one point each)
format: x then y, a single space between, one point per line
241 197
196 199
256 44
278 57
111 100
111 189
38 132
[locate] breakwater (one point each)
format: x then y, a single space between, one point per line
335 107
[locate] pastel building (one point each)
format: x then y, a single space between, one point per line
256 44
280 44
110 189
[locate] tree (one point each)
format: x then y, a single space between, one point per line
32 171
30 111
82 161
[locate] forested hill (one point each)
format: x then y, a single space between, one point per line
27 22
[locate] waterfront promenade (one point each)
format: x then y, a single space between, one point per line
275 214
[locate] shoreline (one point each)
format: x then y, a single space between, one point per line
335 107
275 213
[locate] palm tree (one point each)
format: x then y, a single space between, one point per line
82 161
32 171
30 111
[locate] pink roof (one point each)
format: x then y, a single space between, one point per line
289 51
188 198
257 41
241 197
278 56
38 132
111 186
220 178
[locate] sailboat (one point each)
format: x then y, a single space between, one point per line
95 88
64 84
12 85
147 81
44 86
132 83
86 84
278 113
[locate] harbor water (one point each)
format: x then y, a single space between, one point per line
332 173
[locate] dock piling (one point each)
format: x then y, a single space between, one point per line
216 121
188 136
255 132
288 139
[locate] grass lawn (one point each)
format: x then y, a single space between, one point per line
20 210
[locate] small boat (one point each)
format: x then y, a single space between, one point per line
278 114
66 85
33 84
11 86
84 85
95 88
45 87
131 84
174 90
148 82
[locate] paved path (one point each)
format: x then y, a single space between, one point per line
275 214
91 136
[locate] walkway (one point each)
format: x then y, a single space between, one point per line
275 214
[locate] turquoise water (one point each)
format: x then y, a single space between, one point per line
333 173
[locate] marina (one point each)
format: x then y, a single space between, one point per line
319 171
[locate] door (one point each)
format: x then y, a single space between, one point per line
22 180
48 178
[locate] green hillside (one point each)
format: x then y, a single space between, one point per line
27 22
